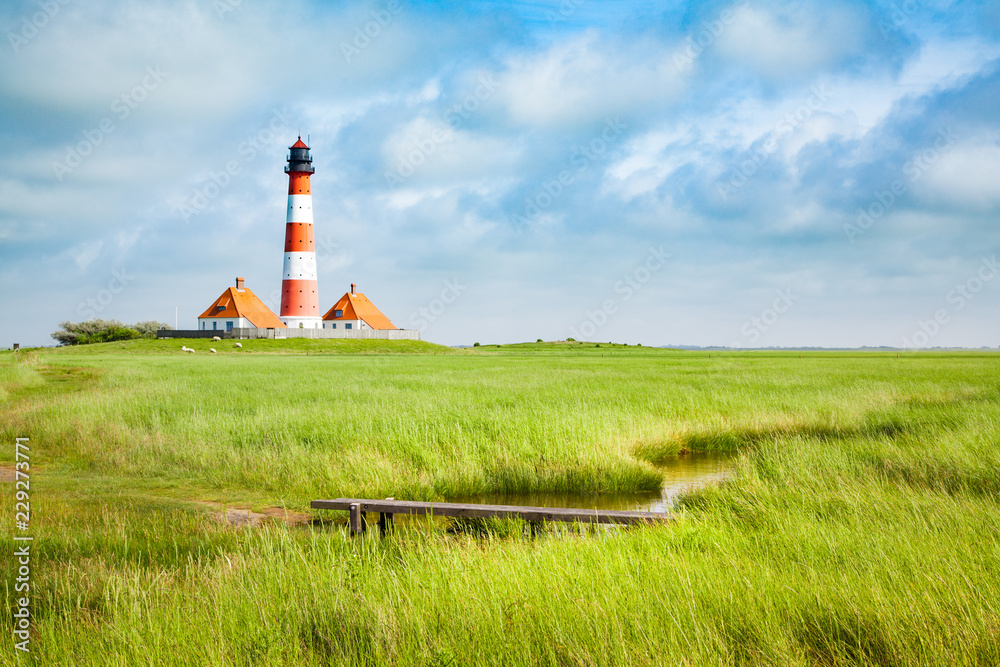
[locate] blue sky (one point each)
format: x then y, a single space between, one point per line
749 174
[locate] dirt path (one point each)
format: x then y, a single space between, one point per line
235 516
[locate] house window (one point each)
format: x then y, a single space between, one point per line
333 325
202 326
215 325
347 326
220 307
229 326
338 313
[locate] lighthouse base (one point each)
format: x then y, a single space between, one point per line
303 322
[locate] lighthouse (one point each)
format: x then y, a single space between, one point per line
299 297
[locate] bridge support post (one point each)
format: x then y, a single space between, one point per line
384 523
358 523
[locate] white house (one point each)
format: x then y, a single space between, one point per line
355 311
238 308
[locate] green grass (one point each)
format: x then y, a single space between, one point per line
860 526
172 346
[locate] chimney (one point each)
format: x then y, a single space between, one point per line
352 288
239 284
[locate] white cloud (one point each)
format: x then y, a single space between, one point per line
405 198
787 41
430 92
708 141
93 53
587 78
652 157
428 150
937 65
964 176
85 253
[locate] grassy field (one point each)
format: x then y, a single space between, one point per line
860 526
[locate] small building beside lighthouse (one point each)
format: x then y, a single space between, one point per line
354 311
238 308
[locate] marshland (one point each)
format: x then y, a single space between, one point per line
856 522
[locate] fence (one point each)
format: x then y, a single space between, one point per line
191 333
280 334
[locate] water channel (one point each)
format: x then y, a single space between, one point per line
680 475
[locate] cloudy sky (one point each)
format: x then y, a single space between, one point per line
752 174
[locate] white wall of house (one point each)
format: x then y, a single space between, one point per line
343 324
223 323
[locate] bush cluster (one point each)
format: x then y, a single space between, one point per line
105 331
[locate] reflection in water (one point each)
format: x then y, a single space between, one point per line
689 472
680 475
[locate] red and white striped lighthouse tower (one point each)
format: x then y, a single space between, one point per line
299 297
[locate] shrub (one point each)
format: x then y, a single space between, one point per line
149 328
475 345
94 331
110 334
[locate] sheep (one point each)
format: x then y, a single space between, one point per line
188 349
239 345
216 338
212 350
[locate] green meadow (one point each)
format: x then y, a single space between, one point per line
860 524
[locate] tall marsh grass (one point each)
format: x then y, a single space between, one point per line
860 526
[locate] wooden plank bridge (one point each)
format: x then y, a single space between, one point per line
359 507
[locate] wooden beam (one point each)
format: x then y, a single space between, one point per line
532 514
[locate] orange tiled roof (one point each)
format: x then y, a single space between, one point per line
357 307
244 304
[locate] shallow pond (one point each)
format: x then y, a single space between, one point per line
680 475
